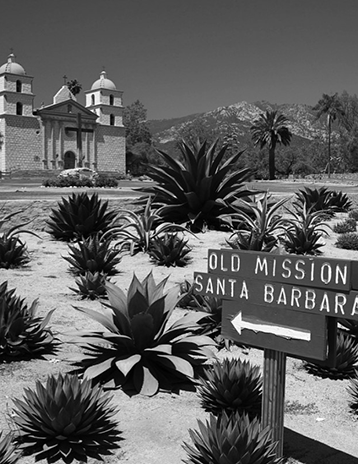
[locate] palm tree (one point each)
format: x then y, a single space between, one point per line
74 86
271 129
331 106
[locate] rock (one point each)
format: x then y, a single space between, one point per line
78 173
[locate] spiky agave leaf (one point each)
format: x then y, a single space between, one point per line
170 250
231 385
66 419
346 360
91 285
95 255
80 216
231 439
199 190
22 334
140 351
9 453
353 393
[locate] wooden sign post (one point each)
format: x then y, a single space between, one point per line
285 304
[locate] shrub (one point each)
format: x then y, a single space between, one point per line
9 454
353 214
80 216
346 360
140 229
343 227
231 386
91 285
106 181
348 241
62 182
140 351
304 232
199 190
22 334
231 439
259 221
95 255
65 419
169 250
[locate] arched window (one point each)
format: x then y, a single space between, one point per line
19 108
92 99
111 119
18 86
69 108
111 100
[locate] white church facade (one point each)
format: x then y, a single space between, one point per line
64 134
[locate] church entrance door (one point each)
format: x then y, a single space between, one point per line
70 160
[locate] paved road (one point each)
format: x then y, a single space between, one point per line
24 189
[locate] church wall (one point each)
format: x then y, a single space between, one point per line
13 98
110 144
2 146
23 143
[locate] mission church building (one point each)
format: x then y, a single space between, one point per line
62 135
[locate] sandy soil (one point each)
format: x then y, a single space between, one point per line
319 425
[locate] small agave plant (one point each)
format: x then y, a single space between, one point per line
13 251
231 439
231 385
346 360
94 255
22 334
170 250
9 453
91 285
80 216
66 419
353 392
141 351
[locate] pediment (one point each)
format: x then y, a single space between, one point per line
67 109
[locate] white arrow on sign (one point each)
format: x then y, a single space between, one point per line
266 327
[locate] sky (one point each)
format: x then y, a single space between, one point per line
180 57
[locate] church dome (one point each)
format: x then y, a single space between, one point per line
12 67
103 83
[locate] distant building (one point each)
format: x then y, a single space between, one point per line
62 135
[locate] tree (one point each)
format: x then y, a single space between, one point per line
271 129
329 105
74 86
138 137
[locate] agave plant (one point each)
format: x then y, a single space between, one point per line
303 235
322 199
9 453
22 334
170 250
259 221
91 285
140 229
13 251
140 350
199 190
353 393
346 360
231 439
95 255
65 419
80 216
231 385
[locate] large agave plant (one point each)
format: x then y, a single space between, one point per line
80 216
140 350
199 190
65 419
231 439
322 199
22 334
94 255
259 223
346 360
231 385
169 250
9 453
140 229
